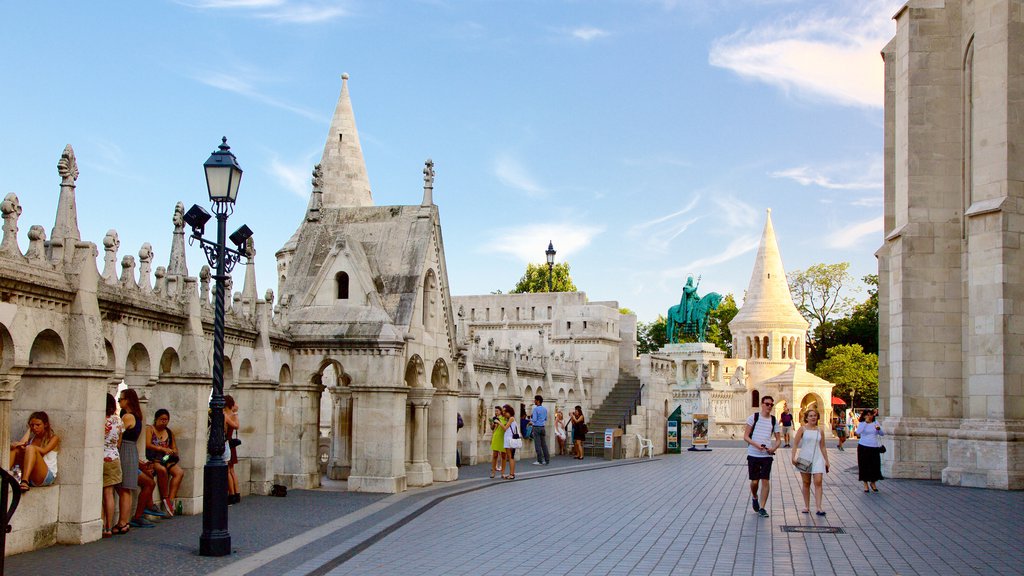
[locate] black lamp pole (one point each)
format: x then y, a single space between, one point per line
550 253
223 175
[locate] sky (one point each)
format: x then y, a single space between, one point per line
644 139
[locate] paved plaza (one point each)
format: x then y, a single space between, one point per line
675 514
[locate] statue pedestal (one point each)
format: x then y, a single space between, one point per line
698 376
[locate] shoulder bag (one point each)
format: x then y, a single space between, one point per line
516 441
804 464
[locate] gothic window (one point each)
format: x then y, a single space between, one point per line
755 399
341 281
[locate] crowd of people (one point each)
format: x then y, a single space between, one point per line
508 434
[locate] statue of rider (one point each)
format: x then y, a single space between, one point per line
690 298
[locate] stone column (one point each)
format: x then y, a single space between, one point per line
340 465
469 407
187 398
8 384
419 472
297 436
378 439
257 409
442 426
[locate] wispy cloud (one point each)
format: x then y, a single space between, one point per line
849 175
522 242
832 56
588 33
511 172
244 87
284 11
742 217
293 176
853 234
659 233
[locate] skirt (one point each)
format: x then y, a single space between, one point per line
869 464
129 465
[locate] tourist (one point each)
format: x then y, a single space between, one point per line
112 428
511 428
810 446
787 425
761 430
579 431
560 432
162 451
147 484
131 420
231 428
539 419
497 441
841 431
869 457
36 452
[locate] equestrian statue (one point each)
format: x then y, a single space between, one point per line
690 317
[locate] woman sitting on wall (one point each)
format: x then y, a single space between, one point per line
36 452
162 451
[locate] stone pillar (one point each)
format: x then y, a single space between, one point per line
467 437
442 427
340 465
8 384
187 398
297 436
257 414
378 439
419 472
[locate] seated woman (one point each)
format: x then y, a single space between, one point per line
162 451
36 452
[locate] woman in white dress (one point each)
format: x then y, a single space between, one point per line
809 444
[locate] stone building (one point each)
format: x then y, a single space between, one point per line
951 291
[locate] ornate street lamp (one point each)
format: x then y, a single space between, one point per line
223 174
550 253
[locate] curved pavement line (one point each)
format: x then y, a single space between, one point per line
262 558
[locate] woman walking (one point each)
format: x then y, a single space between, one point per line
809 446
869 454
579 431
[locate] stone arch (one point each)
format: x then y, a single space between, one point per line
341 285
528 392
571 398
137 369
6 349
812 400
284 376
245 370
755 399
488 391
334 448
439 375
430 300
47 348
502 390
415 374
169 362
229 374
111 359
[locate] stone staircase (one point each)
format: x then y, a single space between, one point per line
614 412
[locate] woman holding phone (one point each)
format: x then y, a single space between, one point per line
869 454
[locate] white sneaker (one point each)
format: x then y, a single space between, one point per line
537 463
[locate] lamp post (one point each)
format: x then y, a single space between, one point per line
550 253
223 174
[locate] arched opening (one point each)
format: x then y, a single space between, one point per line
229 375
47 349
755 399
284 376
137 369
245 371
334 445
6 349
814 401
415 376
169 363
341 282
111 359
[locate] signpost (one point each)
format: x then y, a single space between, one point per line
699 434
674 424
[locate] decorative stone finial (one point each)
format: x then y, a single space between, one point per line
428 183
344 76
11 209
145 265
111 243
36 243
177 266
67 166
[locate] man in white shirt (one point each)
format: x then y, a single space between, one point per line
762 430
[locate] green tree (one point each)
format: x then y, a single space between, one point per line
854 373
718 324
535 279
651 336
817 291
859 327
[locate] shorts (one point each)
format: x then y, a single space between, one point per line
759 468
786 429
841 432
50 477
111 473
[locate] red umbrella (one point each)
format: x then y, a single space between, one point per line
837 401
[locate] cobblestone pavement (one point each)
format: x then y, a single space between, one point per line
675 514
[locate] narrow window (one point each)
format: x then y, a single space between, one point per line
754 397
341 280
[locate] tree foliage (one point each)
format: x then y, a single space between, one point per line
854 373
859 327
651 336
535 279
818 291
718 324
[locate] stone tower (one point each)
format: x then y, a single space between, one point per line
769 335
951 289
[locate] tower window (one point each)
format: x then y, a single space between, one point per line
341 280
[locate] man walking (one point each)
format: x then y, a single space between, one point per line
761 430
538 419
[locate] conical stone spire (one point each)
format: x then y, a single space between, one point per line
768 301
345 182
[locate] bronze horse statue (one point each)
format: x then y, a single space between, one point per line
677 324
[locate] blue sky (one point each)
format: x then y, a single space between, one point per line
644 138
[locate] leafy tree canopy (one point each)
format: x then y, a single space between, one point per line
859 327
854 373
651 336
535 279
718 324
818 291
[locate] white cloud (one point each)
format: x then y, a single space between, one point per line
295 176
285 11
851 235
511 172
868 201
807 176
831 56
588 33
244 87
739 246
527 243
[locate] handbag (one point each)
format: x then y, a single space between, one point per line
234 442
803 464
881 449
516 441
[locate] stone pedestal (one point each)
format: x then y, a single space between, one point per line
257 415
378 441
419 471
340 465
916 446
297 436
187 398
986 454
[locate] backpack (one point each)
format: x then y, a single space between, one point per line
756 414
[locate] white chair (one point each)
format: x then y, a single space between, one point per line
645 444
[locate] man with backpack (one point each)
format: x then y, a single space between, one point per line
763 438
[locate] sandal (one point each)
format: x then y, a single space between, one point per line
120 529
107 533
24 486
805 511
512 477
492 473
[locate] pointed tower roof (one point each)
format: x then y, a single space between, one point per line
345 182
768 300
